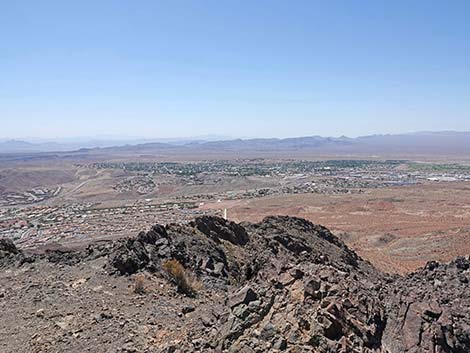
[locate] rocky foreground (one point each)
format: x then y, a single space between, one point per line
282 285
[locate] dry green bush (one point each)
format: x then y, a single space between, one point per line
139 284
186 284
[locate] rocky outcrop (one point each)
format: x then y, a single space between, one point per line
288 285
200 251
7 247
429 310
9 253
298 288
219 228
293 286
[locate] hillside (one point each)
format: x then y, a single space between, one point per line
280 285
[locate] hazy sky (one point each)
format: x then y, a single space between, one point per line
238 68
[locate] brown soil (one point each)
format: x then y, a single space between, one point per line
397 229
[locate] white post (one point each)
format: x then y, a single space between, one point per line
225 213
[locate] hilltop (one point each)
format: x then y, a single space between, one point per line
281 285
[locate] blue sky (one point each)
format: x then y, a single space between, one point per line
235 68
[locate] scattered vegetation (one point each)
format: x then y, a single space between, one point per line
433 167
186 284
139 284
315 340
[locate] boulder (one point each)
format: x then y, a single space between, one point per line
219 228
243 296
7 246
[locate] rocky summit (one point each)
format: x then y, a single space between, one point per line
281 285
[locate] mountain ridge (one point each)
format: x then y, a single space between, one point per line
441 142
281 285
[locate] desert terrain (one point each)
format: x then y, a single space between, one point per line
111 252
212 285
398 229
397 213
235 177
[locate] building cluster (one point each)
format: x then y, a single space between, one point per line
247 167
140 184
38 223
34 195
34 226
392 171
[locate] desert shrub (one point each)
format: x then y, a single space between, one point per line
139 284
185 283
315 340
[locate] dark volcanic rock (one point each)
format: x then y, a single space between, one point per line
303 290
7 246
429 310
155 234
219 228
244 296
130 257
287 285
9 253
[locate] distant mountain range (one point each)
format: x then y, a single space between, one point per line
444 142
68 145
